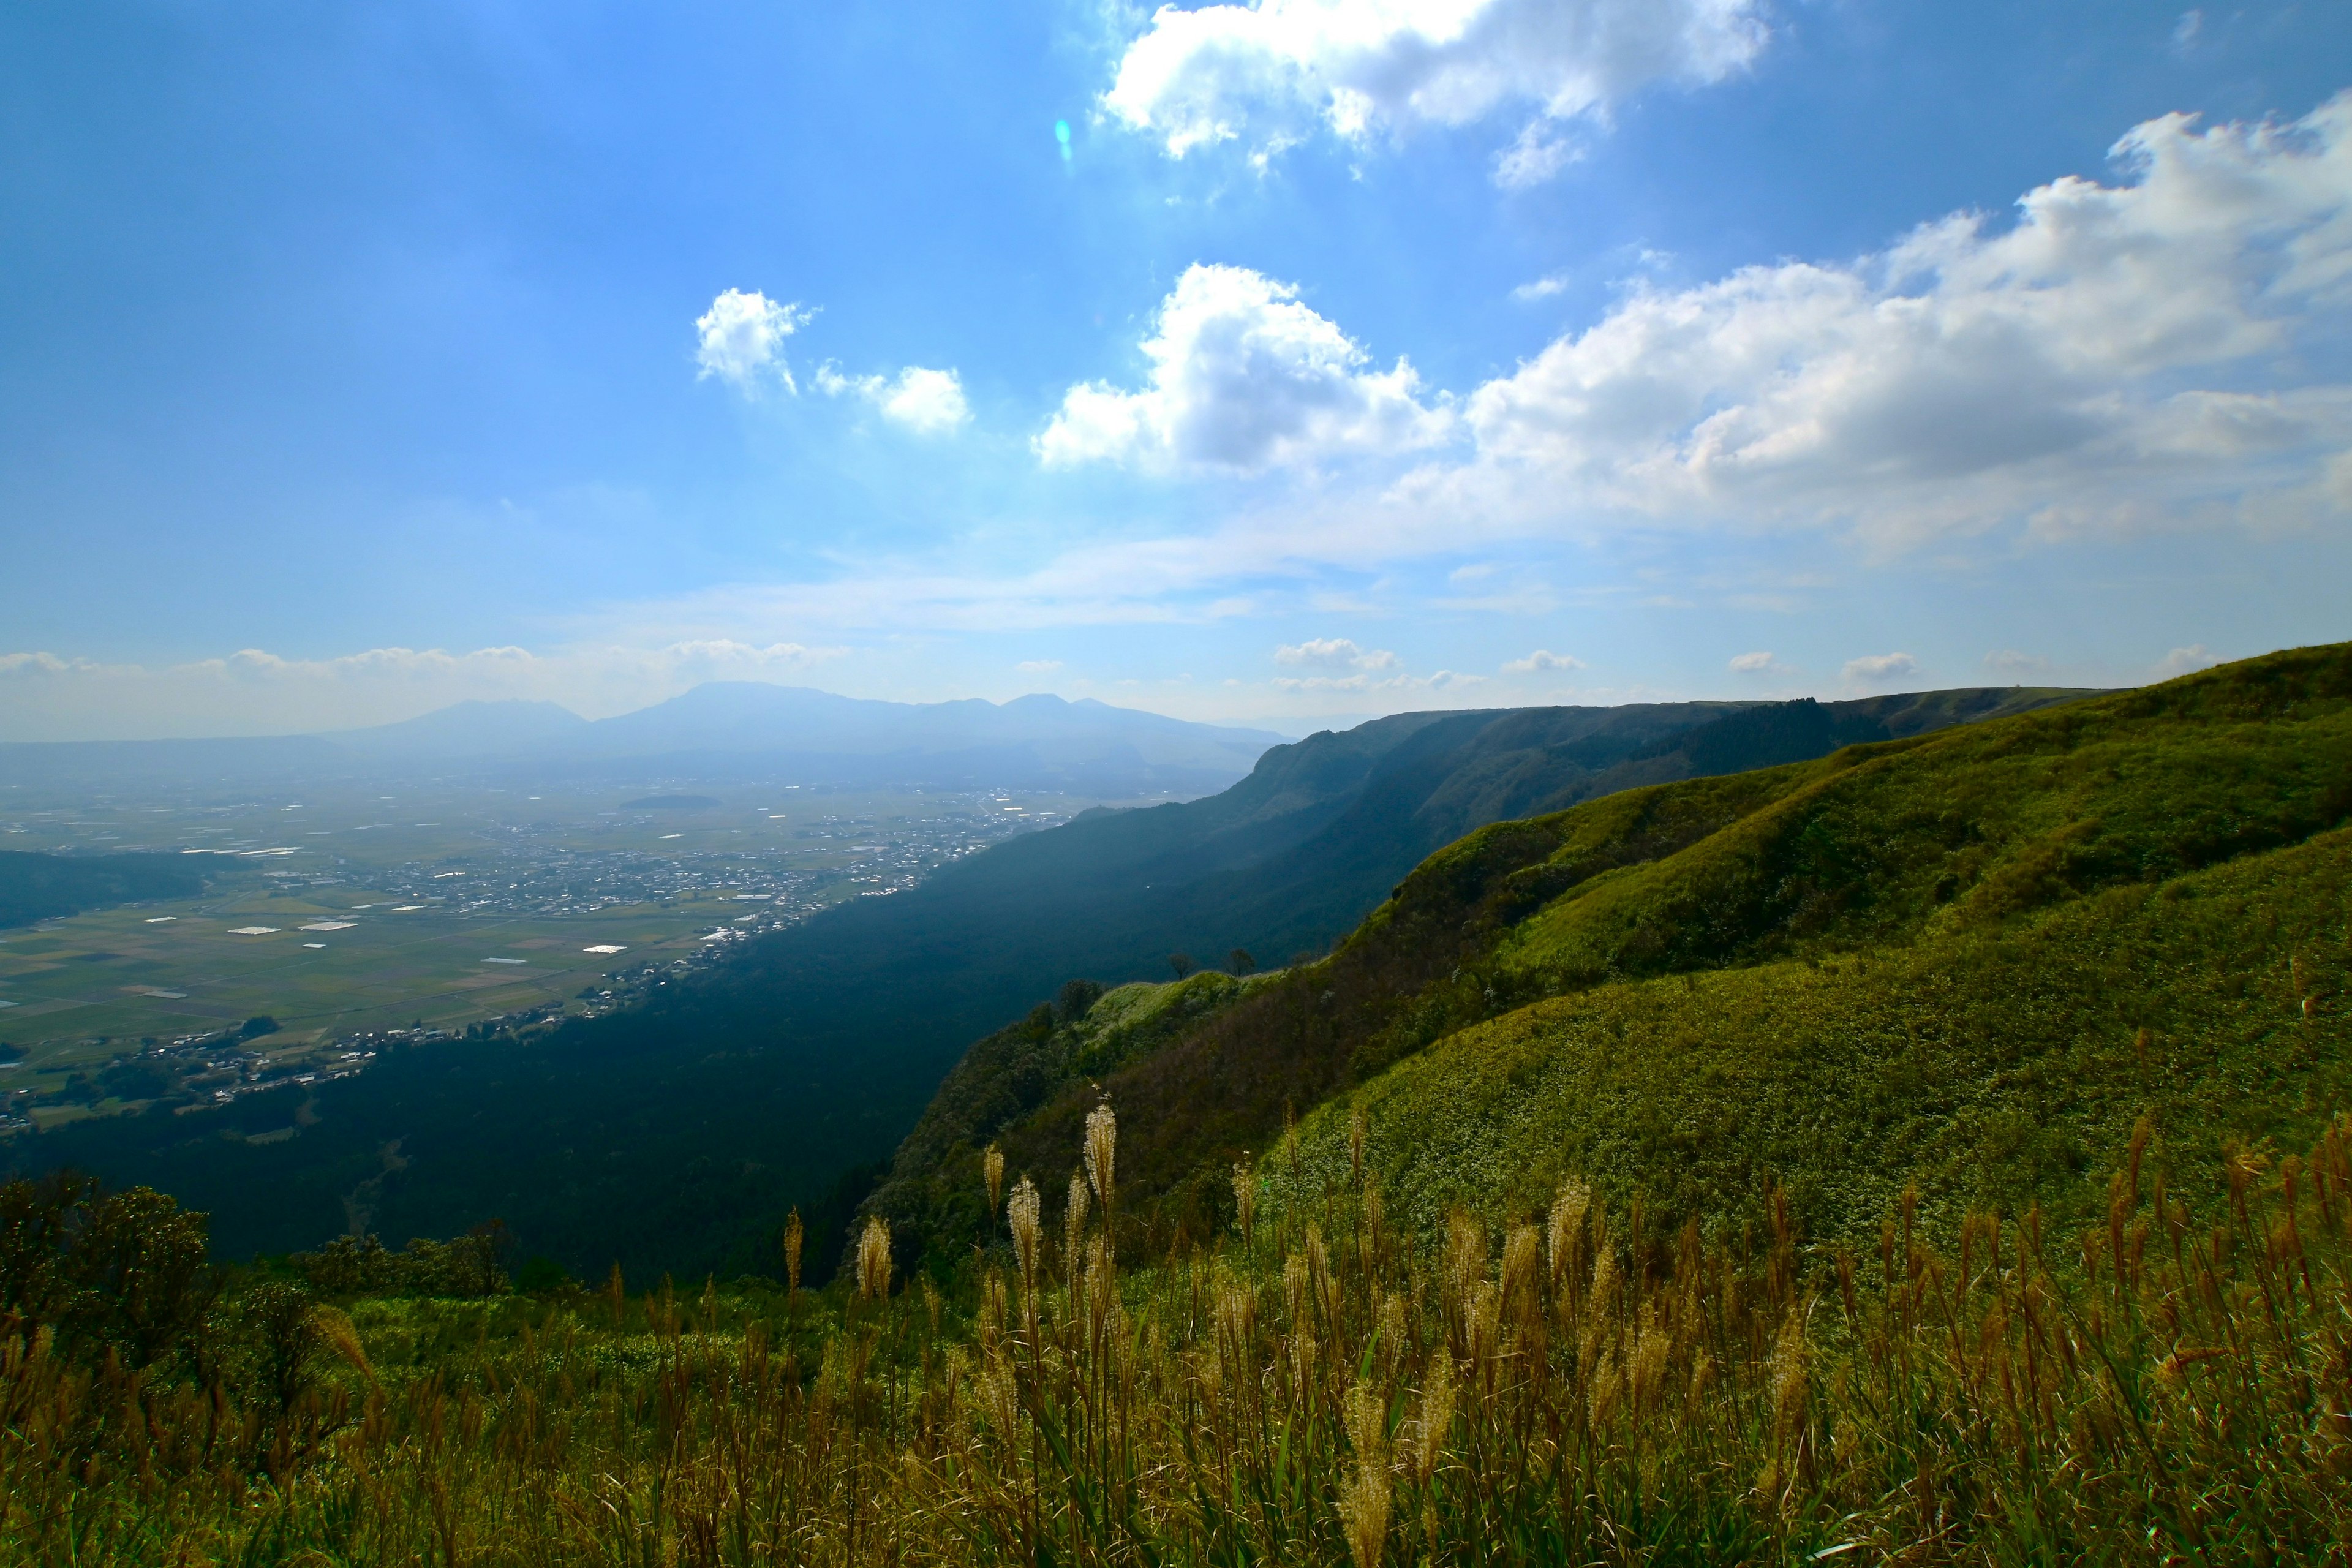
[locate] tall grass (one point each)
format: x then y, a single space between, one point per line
1576 1388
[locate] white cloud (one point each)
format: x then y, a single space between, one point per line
928 402
1541 288
32 665
741 340
1335 652
2186 661
1757 663
1872 668
1038 666
1542 658
1243 377
1354 668
1265 73
2123 357
2014 666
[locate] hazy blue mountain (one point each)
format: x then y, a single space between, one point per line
466 730
722 729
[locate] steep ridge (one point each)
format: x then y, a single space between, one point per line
673 1136
1975 848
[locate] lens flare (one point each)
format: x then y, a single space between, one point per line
1062 135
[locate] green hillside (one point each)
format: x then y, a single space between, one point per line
1924 960
674 1136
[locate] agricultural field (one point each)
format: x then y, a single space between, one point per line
340 914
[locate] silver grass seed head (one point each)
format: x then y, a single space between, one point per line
1102 1151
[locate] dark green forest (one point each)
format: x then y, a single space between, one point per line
37 887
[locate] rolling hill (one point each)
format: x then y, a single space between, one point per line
1965 960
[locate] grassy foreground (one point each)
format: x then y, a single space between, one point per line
2157 1388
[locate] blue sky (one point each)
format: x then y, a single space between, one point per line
1356 357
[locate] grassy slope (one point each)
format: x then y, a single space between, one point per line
1925 856
934 1190
1970 931
1994 1067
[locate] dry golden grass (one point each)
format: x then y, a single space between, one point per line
1577 1389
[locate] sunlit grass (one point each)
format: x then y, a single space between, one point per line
1574 1386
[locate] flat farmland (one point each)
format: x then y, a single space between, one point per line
340 910
168 970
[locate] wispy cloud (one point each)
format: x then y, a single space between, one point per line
2010 665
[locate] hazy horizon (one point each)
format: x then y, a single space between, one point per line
1252 364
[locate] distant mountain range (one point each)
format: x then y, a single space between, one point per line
721 730
670 1135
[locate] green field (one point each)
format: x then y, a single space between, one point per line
450 904
85 988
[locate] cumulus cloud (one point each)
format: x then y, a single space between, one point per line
1872 668
2121 357
928 402
1758 663
1243 377
1542 658
1346 667
2186 661
1335 652
1266 73
741 340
